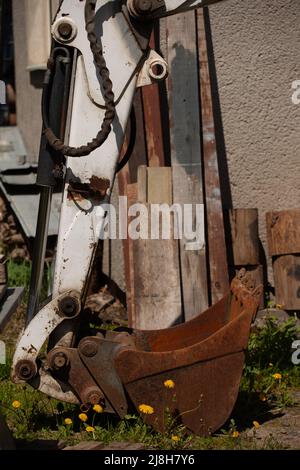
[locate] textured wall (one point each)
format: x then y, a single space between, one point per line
256 46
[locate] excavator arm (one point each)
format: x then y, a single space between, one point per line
100 55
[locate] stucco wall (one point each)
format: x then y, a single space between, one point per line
256 46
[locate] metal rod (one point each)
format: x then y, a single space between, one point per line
39 251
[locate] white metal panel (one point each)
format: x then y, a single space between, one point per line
120 47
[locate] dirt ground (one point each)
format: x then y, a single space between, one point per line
282 425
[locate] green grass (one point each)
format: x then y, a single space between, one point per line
19 276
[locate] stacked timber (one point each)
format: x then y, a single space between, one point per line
246 243
283 230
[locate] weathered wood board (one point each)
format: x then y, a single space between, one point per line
156 289
287 281
219 280
283 231
245 237
153 121
183 96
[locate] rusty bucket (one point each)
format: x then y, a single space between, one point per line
192 372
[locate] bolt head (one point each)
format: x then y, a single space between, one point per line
92 396
65 30
59 361
25 370
88 348
69 306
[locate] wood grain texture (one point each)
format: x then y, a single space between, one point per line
283 232
156 290
286 270
244 235
157 297
219 279
153 121
183 96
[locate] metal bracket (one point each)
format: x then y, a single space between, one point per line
155 69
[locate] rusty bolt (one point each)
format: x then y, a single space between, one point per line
88 348
25 370
65 30
93 396
59 360
69 306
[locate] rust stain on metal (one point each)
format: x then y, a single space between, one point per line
96 189
99 185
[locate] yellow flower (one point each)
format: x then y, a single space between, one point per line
146 409
90 429
235 434
83 417
98 408
68 421
256 424
262 397
16 404
277 376
175 438
169 384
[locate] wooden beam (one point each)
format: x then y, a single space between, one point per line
183 98
219 279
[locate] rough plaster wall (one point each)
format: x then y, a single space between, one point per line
256 46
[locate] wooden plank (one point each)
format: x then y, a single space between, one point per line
215 223
286 270
157 297
142 183
283 232
94 445
159 185
186 150
126 178
245 237
153 121
129 262
157 284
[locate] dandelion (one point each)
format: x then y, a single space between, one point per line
262 397
169 384
98 408
16 404
277 376
83 417
256 424
175 438
146 409
68 421
90 429
235 434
